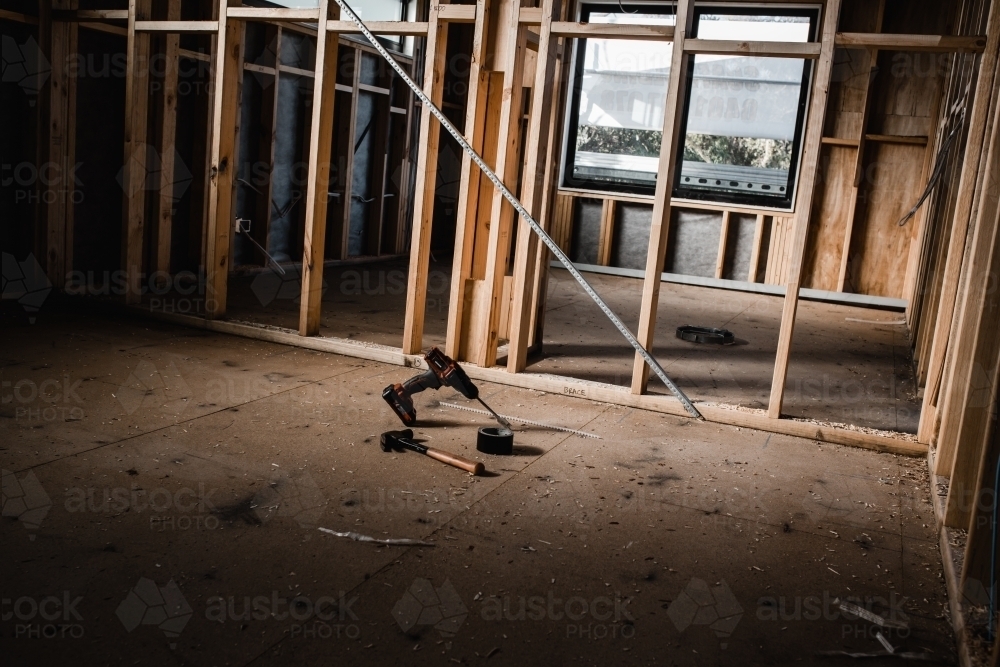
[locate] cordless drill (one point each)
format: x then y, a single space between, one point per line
442 370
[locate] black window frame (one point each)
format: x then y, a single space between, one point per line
755 198
678 190
665 9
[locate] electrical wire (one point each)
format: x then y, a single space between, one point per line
535 227
246 232
936 175
634 11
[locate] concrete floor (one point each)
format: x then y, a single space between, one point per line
849 364
172 477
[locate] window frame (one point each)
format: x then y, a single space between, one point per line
575 90
755 200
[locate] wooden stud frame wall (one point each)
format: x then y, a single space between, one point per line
483 261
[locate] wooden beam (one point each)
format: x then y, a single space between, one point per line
91 15
924 266
859 155
381 117
268 115
549 210
972 394
17 17
210 27
673 120
836 141
757 49
975 319
720 260
318 178
415 28
607 232
574 29
195 55
978 118
227 77
134 175
121 31
426 181
919 228
901 42
58 192
532 16
457 13
758 238
803 203
509 57
896 139
978 561
348 164
274 14
168 135
471 176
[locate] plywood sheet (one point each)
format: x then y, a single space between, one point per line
880 247
831 209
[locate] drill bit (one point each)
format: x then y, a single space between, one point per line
503 422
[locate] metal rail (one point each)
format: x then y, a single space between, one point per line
535 227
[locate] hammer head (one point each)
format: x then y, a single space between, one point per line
390 439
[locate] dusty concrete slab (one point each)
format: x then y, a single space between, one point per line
848 364
186 532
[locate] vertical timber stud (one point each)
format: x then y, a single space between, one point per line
720 260
318 184
963 405
39 238
533 190
137 104
672 120
960 223
803 202
867 102
225 101
168 137
536 323
468 196
426 182
511 44
61 145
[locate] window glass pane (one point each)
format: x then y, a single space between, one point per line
744 113
378 10
621 88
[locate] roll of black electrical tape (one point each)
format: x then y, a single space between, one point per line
705 335
492 441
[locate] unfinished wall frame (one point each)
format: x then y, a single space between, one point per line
499 267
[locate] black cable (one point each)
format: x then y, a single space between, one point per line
636 11
939 163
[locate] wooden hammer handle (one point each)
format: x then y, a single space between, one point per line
471 467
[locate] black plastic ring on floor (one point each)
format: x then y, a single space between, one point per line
694 334
491 441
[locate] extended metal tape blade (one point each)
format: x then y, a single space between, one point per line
535 227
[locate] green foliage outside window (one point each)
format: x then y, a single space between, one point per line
708 148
